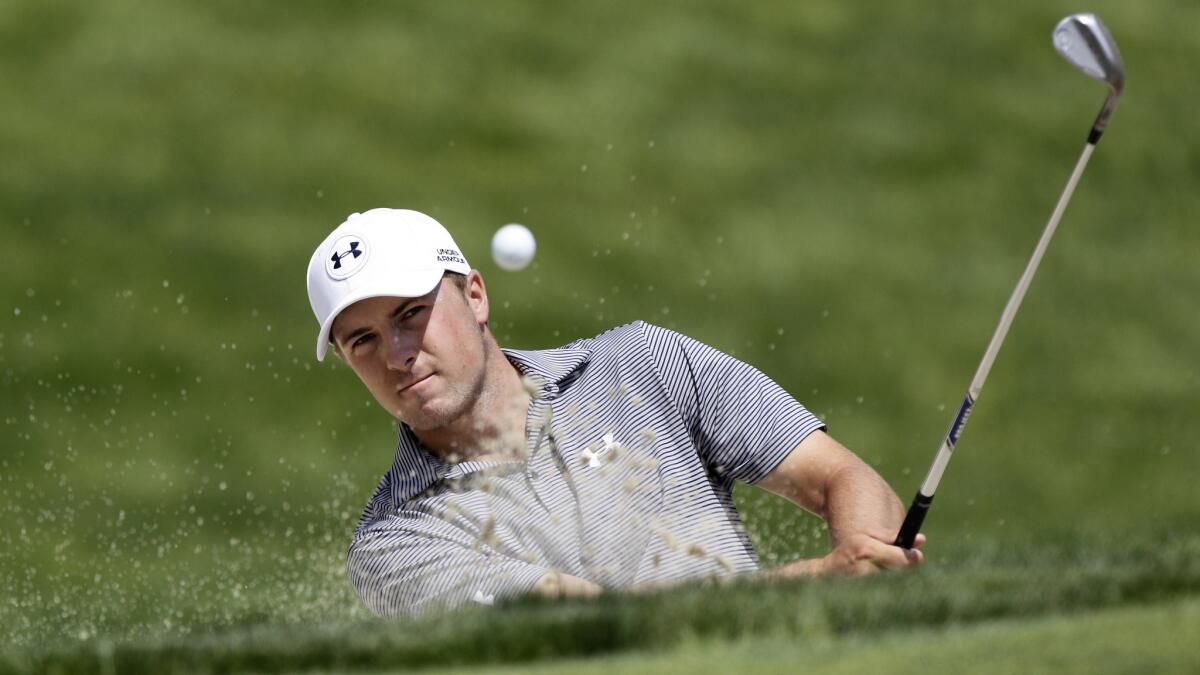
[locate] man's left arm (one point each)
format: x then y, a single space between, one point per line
747 428
863 513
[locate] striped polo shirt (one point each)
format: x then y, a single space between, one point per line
634 439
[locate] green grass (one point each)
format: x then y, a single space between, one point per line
841 194
1154 639
1014 585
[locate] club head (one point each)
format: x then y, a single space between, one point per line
1083 40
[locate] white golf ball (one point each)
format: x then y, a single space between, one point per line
513 247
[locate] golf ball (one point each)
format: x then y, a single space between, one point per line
513 247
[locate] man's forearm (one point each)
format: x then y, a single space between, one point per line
859 500
863 515
861 510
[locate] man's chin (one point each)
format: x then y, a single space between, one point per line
427 417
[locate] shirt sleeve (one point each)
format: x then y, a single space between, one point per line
742 423
411 561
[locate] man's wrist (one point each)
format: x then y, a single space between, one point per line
808 567
556 584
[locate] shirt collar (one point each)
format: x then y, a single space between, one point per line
413 469
554 369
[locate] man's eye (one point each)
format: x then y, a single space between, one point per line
411 312
361 340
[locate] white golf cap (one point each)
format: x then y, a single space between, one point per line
382 252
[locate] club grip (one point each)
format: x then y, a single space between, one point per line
912 521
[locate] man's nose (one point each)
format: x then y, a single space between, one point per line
401 351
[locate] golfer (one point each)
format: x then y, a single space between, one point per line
608 463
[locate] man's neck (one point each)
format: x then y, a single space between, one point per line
494 427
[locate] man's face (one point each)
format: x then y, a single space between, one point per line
422 358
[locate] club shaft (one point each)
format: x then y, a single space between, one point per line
920 505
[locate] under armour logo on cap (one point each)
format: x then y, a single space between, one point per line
348 255
337 257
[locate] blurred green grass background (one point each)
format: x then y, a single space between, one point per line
841 194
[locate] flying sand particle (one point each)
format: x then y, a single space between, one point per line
530 385
667 537
487 535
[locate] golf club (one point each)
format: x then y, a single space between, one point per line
1083 41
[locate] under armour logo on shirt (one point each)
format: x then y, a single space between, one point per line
337 257
598 457
489 599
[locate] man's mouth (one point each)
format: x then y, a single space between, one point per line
414 383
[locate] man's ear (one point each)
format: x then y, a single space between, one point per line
475 293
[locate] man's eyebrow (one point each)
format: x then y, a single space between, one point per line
401 307
350 336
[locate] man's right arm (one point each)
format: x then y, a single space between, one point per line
562 585
407 562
